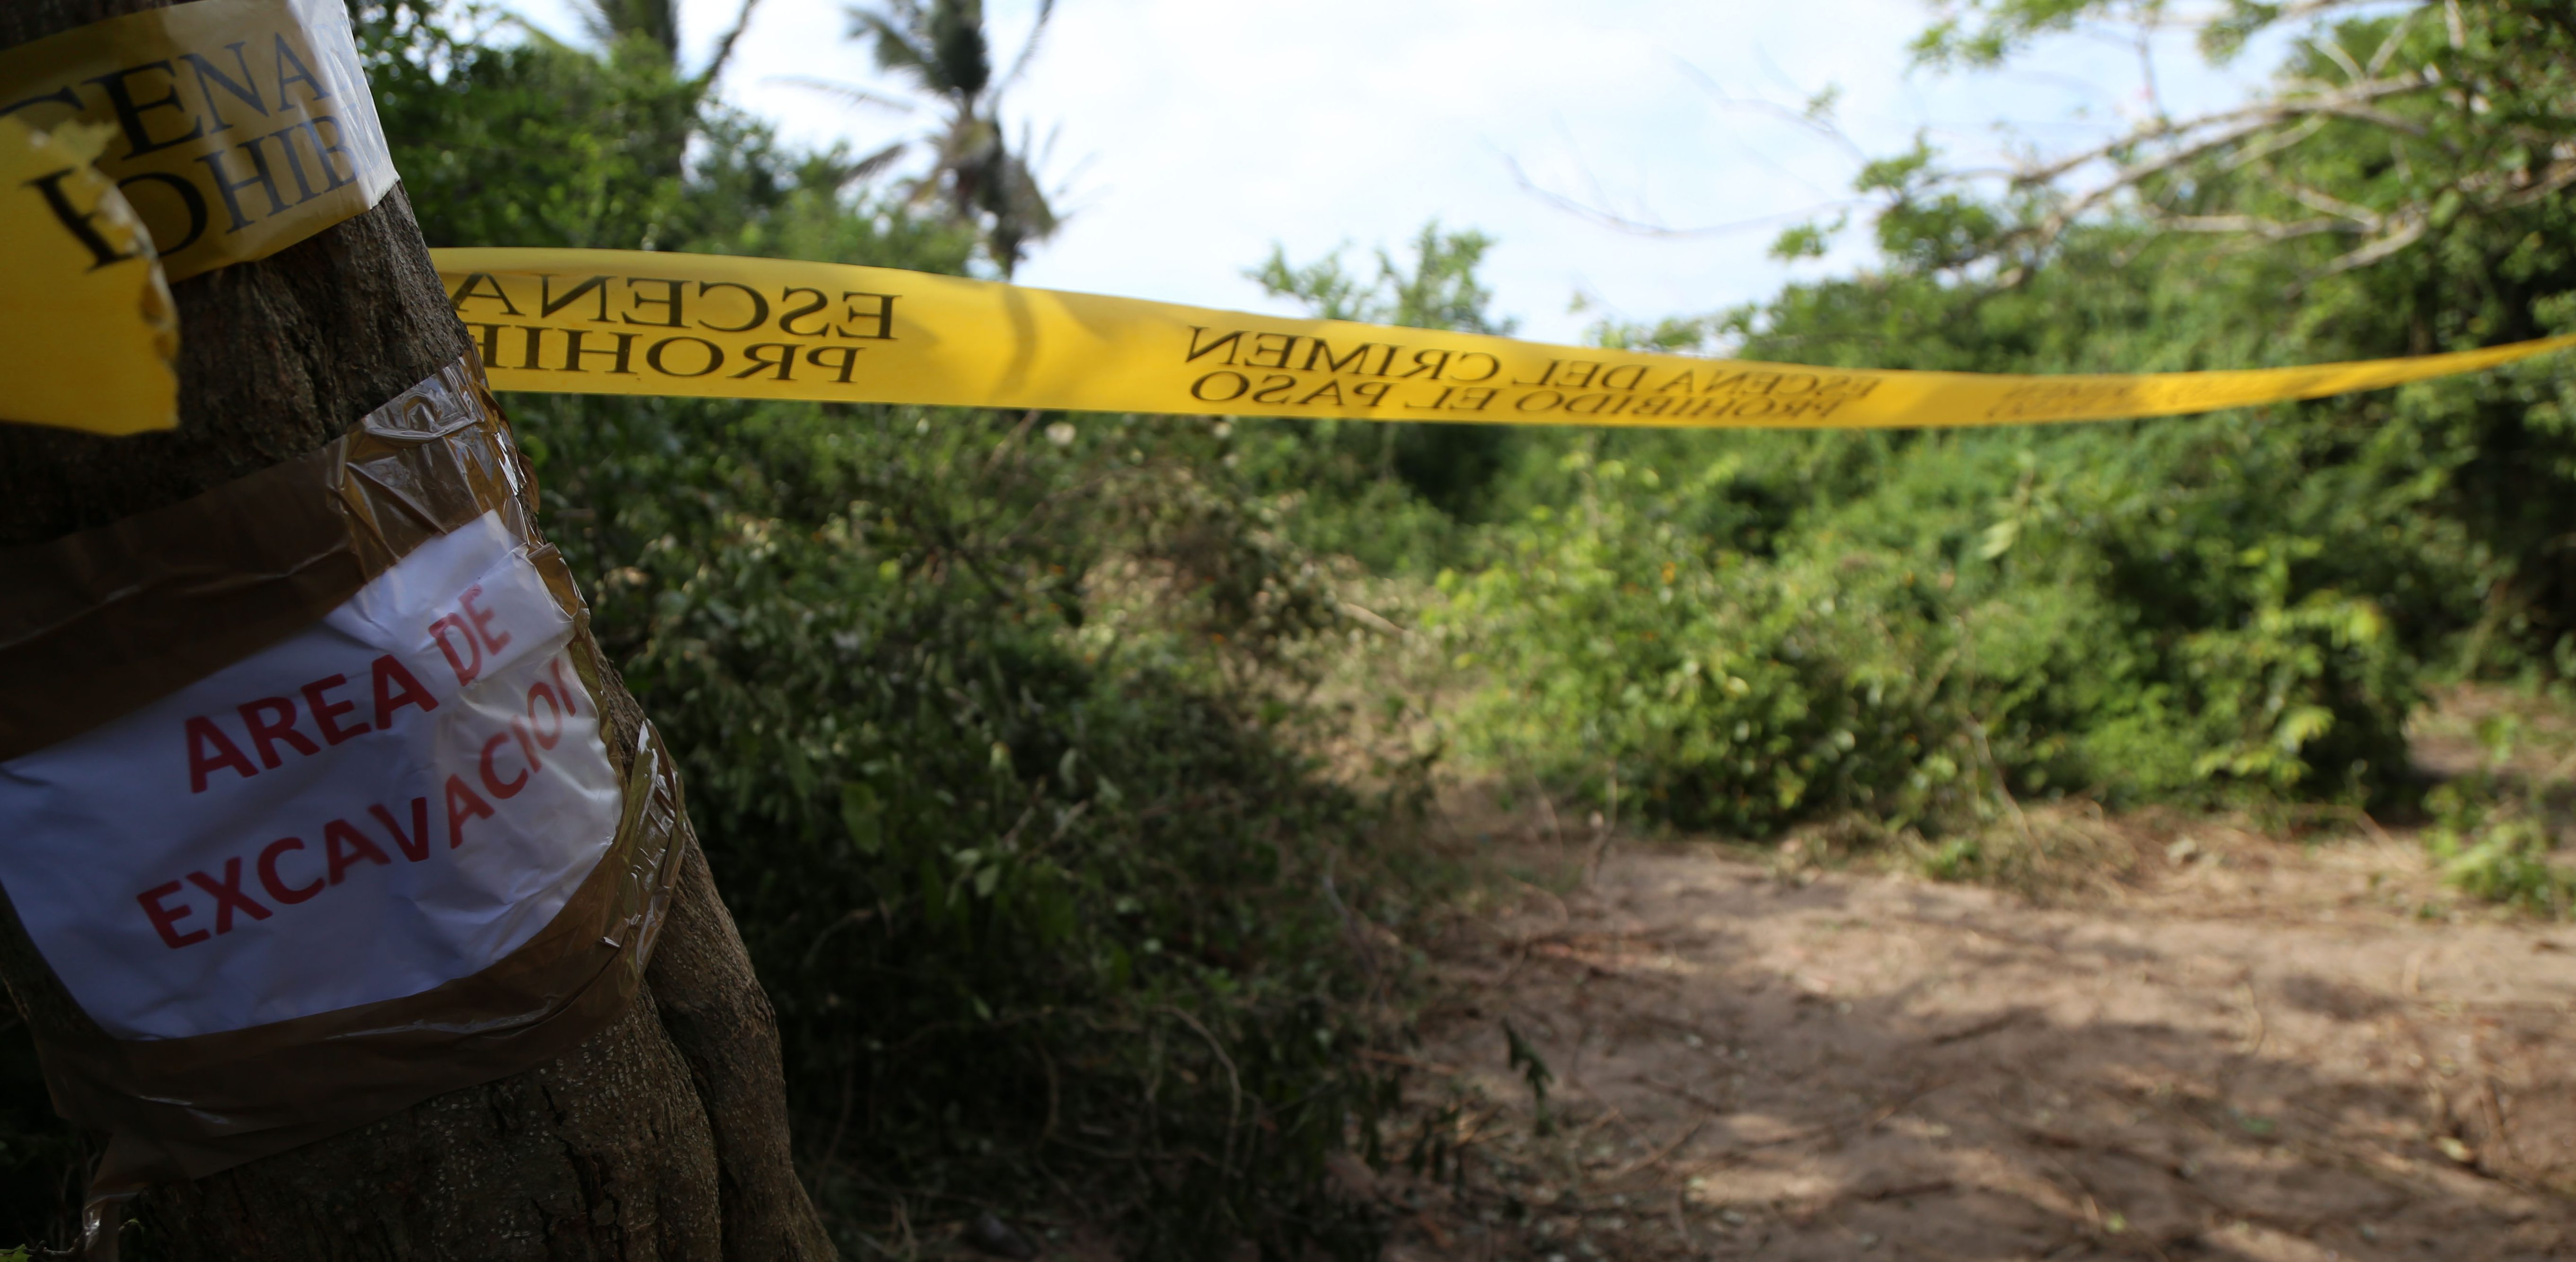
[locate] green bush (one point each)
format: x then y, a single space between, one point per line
965 705
1625 655
1795 625
2186 608
1018 911
2499 852
2495 831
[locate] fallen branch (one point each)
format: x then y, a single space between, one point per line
1658 1156
1985 1027
1904 1190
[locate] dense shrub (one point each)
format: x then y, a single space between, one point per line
1019 911
2059 612
1037 911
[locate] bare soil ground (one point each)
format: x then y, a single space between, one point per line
2241 1048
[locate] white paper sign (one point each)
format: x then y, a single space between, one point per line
392 799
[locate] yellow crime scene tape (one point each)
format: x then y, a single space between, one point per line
87 328
240 127
626 322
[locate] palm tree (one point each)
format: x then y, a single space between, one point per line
983 179
612 23
650 29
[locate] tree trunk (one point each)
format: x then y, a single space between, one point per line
663 1136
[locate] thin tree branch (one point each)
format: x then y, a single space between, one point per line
2410 229
2334 51
2277 142
2253 225
1807 120
2310 8
2237 124
2396 37
1612 219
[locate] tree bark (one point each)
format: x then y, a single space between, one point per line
661 1137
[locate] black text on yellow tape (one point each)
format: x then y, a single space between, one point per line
623 322
242 126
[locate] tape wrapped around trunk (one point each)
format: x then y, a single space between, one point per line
187 1016
241 126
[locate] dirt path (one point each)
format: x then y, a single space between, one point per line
2249 1050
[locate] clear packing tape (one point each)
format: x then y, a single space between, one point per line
254 1002
625 322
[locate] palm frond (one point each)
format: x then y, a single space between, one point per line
611 23
724 45
1029 50
892 35
871 165
850 93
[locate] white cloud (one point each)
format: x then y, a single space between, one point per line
1205 130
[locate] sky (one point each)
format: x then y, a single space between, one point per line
1188 137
